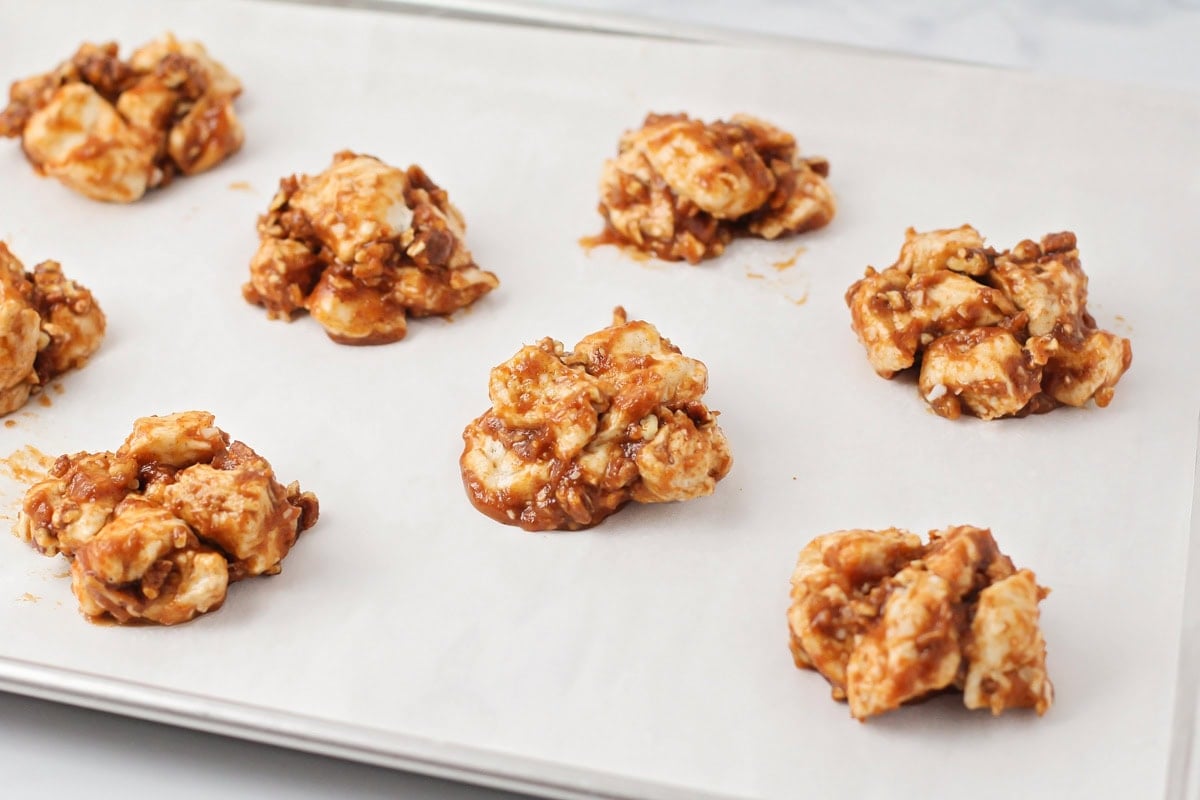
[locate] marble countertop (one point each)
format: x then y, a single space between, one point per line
53 750
1150 43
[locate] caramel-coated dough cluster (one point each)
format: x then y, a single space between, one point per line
157 530
48 325
111 129
572 436
682 189
888 620
996 334
360 246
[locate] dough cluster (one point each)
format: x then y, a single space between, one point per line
158 530
361 246
682 189
111 129
888 620
995 334
48 325
574 435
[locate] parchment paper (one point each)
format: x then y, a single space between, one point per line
649 653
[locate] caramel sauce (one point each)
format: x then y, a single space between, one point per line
58 388
28 598
241 186
590 243
10 423
637 255
108 621
27 465
788 263
44 400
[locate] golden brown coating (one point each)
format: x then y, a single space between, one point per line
360 246
158 529
572 436
839 596
146 564
112 129
682 189
1004 650
20 334
235 503
174 441
77 499
887 620
994 334
984 371
48 325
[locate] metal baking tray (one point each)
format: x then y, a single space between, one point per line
647 657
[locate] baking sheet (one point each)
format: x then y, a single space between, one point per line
647 657
1183 778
